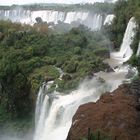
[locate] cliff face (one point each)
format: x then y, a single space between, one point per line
115 114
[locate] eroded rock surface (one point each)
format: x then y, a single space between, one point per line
115 114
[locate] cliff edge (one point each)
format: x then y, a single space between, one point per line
115 114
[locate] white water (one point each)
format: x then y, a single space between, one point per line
57 110
40 100
138 51
125 50
89 19
109 19
62 109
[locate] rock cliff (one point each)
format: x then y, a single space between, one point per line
115 114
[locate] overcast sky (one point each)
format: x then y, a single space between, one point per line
10 2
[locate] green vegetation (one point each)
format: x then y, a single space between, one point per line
30 55
123 11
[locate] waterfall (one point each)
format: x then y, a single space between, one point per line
138 51
58 109
75 16
48 16
40 100
62 108
92 20
109 19
125 50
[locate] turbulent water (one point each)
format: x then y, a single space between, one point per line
92 20
55 111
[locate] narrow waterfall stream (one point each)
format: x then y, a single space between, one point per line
117 58
54 112
138 51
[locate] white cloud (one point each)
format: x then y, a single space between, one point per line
10 2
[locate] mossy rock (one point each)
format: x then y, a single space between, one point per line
66 77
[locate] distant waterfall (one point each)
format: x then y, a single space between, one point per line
125 50
109 19
138 51
92 20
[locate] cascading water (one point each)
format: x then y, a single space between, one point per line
109 19
61 109
125 51
42 107
55 111
93 21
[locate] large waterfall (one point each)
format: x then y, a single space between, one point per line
125 50
57 110
54 111
92 20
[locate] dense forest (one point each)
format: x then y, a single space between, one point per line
30 55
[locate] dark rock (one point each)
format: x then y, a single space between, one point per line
47 79
109 69
138 107
66 77
39 20
101 80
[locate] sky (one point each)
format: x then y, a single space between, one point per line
10 2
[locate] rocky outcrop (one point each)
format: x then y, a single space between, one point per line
114 114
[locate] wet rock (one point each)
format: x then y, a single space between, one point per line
101 80
110 69
39 20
